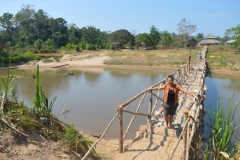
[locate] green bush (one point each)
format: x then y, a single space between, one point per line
83 46
112 47
75 141
78 49
91 47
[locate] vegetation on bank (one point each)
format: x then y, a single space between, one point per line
221 57
222 129
168 58
39 118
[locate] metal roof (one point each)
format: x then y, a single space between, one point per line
210 41
210 36
230 41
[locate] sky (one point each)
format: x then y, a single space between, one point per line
210 16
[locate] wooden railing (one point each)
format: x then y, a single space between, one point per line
183 76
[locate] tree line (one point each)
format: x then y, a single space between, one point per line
37 32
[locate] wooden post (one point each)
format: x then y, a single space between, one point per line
120 114
150 107
190 50
189 59
188 141
185 138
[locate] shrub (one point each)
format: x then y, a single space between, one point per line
78 49
83 46
75 141
91 47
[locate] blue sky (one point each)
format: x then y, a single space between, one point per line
210 16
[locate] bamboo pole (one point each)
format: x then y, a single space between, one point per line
185 138
85 156
157 96
135 113
131 100
150 107
193 129
120 114
2 103
155 102
188 141
184 126
134 116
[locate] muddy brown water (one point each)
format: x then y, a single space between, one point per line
92 94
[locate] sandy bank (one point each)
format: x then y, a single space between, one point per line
69 61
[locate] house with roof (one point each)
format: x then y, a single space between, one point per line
192 42
229 42
209 40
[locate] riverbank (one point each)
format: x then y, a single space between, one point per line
164 60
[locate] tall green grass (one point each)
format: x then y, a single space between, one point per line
7 88
222 128
42 108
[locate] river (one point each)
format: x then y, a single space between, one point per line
92 94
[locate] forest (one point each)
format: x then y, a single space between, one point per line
28 32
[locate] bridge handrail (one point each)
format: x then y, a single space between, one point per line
180 74
120 108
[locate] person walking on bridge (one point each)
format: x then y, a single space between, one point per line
170 98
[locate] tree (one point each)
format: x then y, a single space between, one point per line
6 26
24 25
154 36
185 29
41 25
166 39
143 40
225 39
200 35
91 35
74 35
235 34
59 28
121 37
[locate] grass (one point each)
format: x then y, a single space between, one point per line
169 57
223 59
222 128
218 57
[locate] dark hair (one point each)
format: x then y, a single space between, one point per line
171 76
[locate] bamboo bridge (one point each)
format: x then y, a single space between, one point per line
153 140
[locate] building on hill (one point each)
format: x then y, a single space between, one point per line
209 40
